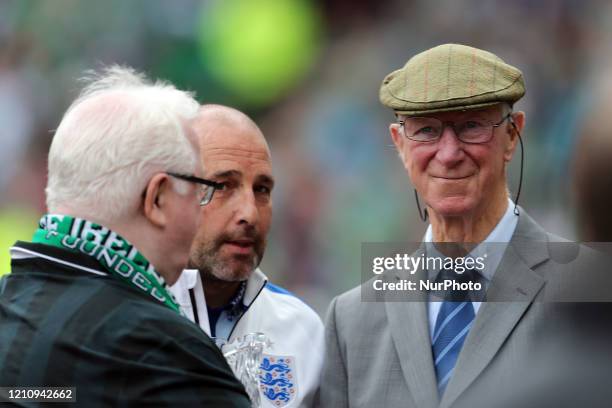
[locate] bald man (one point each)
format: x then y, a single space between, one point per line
225 292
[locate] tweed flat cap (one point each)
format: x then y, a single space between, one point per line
451 77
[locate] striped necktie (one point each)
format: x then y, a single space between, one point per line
452 327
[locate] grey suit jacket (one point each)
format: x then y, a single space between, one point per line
378 354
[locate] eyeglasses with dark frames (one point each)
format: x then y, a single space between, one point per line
207 187
429 129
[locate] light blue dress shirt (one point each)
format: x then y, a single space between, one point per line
492 248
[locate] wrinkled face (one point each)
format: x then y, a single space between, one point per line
456 178
231 240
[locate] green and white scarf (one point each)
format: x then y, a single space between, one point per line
120 258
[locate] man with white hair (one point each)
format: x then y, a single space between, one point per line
456 133
87 304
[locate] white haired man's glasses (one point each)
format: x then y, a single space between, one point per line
207 187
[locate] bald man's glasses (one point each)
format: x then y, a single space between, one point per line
470 130
207 187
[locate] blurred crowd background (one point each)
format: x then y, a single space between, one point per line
308 72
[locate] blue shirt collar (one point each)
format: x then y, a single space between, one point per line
493 246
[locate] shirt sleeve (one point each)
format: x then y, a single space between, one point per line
155 360
189 372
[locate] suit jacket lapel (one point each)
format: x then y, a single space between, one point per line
410 333
512 290
409 326
408 323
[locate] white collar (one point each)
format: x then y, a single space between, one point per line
501 234
255 283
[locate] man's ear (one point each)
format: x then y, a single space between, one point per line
398 139
155 199
517 122
518 118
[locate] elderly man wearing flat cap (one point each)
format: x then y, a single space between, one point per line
455 133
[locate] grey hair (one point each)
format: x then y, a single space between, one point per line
119 132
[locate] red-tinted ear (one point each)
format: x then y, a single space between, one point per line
517 122
155 199
398 138
518 118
